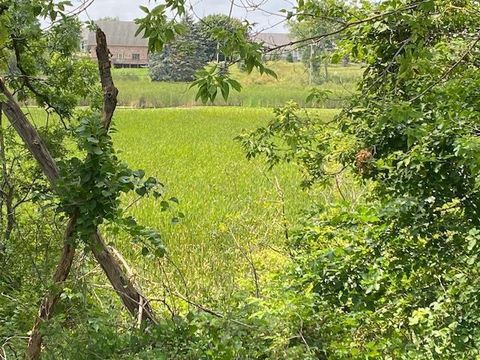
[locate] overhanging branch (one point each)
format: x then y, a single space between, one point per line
342 28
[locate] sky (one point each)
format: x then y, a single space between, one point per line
265 13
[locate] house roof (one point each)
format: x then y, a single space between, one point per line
119 33
122 33
273 39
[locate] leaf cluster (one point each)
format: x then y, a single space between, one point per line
91 186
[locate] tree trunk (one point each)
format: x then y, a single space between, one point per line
49 301
310 72
120 282
6 190
29 135
110 92
129 294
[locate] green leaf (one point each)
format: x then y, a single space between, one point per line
235 84
225 88
92 140
144 9
139 173
164 205
141 191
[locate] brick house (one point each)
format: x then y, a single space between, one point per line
127 50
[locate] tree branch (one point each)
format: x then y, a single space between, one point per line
26 79
449 70
343 28
110 92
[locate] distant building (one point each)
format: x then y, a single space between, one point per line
274 40
127 50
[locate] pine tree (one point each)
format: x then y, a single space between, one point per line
182 58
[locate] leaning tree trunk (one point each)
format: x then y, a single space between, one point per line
50 300
129 294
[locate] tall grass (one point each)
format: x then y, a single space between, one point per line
233 207
136 89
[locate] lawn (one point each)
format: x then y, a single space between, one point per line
136 89
232 207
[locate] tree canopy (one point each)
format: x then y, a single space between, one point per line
215 27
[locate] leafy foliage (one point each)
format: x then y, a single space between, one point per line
390 275
214 29
396 273
157 27
91 187
211 81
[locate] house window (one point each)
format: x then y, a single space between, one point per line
119 56
135 56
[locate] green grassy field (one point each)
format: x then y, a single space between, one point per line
232 207
136 89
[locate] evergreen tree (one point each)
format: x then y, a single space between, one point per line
182 58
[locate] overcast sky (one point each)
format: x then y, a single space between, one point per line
264 15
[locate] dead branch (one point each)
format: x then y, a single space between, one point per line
110 92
